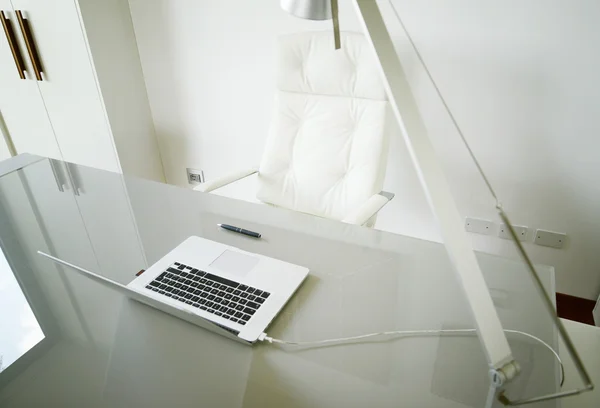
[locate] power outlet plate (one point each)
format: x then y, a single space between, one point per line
478 226
194 176
520 230
549 238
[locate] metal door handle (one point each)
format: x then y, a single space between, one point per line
13 44
31 48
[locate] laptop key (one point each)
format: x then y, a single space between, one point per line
203 308
246 317
189 302
203 301
210 311
183 287
156 284
233 319
253 305
182 299
250 290
225 317
196 305
251 297
196 278
228 296
168 294
243 301
221 293
181 267
197 292
222 280
236 292
243 287
214 291
259 300
188 281
162 292
244 295
218 313
175 297
258 292
203 294
249 311
230 312
225 303
148 287
243 323
210 304
194 284
211 297
239 307
201 287
196 298
238 315
176 291
155 290
264 295
229 290
178 285
223 308
235 298
203 281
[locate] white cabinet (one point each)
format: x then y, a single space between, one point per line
88 105
23 116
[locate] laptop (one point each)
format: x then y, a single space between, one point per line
215 286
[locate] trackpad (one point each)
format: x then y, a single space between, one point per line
234 262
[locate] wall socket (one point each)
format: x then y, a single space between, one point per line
519 230
478 226
549 238
195 176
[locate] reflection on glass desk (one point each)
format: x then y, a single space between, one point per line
103 350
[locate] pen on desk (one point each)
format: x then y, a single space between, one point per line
239 230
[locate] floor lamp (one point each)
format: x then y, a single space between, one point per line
502 366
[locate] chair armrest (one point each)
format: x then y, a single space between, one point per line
211 185
361 215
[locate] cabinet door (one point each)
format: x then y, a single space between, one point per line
69 87
23 117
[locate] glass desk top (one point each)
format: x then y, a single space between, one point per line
70 342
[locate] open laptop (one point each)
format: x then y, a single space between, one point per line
221 288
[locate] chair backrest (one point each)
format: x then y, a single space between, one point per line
327 147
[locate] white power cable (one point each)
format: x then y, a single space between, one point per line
408 333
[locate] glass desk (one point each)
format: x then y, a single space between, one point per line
96 348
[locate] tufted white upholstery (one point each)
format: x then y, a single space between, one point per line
327 147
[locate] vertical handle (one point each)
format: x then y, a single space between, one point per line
31 48
12 43
336 24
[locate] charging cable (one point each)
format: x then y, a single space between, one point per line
407 333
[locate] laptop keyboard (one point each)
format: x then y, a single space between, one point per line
214 294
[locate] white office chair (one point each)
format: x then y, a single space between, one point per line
326 151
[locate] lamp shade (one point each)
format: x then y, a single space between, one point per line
308 9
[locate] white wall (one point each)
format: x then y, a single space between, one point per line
520 77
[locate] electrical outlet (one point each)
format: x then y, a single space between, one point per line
549 238
195 176
521 232
478 226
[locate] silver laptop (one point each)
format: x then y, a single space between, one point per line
221 288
